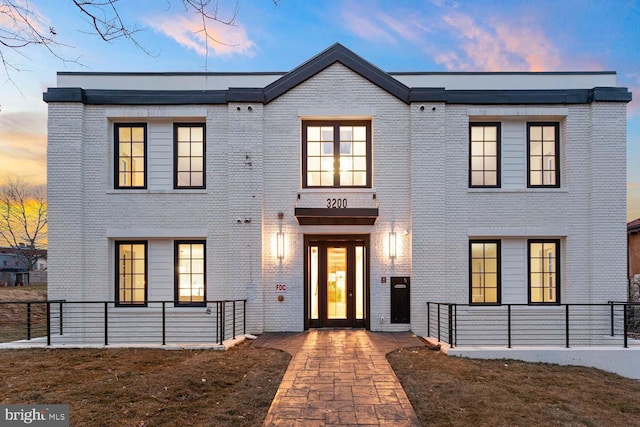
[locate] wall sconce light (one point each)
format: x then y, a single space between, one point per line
392 245
280 245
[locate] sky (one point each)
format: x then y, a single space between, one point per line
267 35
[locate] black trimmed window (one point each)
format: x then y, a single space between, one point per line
544 271
543 155
130 155
336 154
484 155
131 273
189 151
484 271
190 273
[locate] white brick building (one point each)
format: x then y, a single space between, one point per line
309 192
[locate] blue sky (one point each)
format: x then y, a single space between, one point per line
421 35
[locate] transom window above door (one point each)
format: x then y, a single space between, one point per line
336 154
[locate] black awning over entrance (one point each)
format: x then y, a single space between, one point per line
338 216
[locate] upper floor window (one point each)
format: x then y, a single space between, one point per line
543 147
130 155
189 149
131 273
484 271
190 276
484 158
336 154
544 268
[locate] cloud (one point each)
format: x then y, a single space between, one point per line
23 147
366 25
187 31
499 46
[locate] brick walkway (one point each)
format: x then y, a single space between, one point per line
340 377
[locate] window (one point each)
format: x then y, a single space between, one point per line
484 158
543 146
544 271
131 155
484 271
189 148
336 154
190 276
131 278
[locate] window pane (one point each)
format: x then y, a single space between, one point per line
360 164
124 149
326 133
137 179
535 133
490 148
313 149
346 178
549 148
360 148
490 133
183 163
549 133
124 134
346 133
197 150
477 148
184 149
326 178
346 163
345 148
197 134
196 164
536 148
313 179
313 133
477 178
535 178
360 178
359 133
490 178
327 148
313 163
137 134
477 133
184 134
477 163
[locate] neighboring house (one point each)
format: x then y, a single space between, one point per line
336 194
633 247
13 269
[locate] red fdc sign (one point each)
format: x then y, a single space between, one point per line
281 287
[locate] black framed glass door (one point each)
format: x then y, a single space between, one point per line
336 282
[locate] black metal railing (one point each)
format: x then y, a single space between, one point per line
566 325
106 322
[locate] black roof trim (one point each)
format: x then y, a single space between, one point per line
258 95
489 97
336 53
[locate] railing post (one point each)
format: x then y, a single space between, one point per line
106 322
28 321
61 318
428 319
438 322
566 324
48 323
164 324
450 318
234 319
455 324
508 325
244 317
626 326
612 320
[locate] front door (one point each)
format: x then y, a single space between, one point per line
336 285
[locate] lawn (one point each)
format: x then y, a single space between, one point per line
451 391
155 387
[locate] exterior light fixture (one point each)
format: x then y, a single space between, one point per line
392 245
280 245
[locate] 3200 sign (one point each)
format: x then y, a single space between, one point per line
336 203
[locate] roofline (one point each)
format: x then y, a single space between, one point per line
281 73
264 96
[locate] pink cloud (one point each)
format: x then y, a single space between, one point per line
502 46
223 39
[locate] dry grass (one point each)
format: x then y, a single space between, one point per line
453 391
145 387
13 317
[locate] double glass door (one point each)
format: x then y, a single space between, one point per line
336 283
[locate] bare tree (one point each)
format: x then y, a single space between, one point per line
23 219
21 26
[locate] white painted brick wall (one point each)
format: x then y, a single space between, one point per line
420 179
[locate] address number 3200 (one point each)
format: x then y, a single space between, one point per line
336 203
